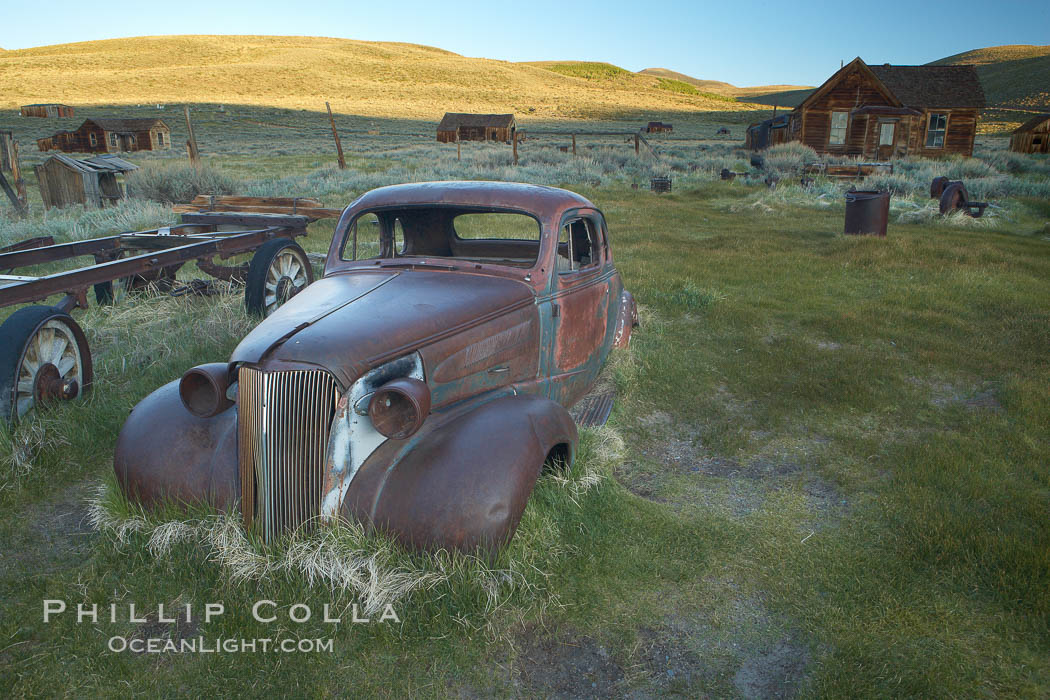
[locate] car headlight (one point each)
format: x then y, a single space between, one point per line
399 407
203 389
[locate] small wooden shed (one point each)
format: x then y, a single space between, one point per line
47 110
659 128
1033 136
96 181
105 135
475 127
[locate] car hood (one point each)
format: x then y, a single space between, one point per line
353 321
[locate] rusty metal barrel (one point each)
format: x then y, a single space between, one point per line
867 212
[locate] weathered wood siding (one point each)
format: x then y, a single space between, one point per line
59 186
853 90
1034 140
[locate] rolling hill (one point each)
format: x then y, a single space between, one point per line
380 79
1013 75
761 94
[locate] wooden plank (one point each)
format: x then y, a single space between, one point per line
311 212
231 200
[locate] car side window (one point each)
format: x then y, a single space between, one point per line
365 239
579 246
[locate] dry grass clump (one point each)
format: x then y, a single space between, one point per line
344 557
175 183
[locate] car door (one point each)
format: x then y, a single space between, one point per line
579 305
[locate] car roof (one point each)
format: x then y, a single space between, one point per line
540 200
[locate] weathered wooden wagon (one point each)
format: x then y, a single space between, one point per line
882 112
109 135
475 127
1033 136
96 181
44 355
48 110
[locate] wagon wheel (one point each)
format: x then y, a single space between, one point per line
954 197
279 270
937 186
44 357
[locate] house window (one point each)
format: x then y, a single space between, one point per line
886 133
93 139
113 140
131 139
935 130
160 138
839 122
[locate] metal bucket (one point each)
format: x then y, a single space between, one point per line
867 213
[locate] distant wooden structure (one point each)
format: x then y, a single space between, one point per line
106 135
48 110
658 128
476 127
1033 136
96 181
883 112
7 150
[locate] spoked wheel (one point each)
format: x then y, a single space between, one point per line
279 270
44 358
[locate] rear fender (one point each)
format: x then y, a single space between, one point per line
626 320
463 482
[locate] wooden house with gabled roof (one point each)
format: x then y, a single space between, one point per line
111 135
883 112
456 126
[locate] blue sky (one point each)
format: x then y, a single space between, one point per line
740 41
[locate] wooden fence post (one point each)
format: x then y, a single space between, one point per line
515 147
19 208
636 144
574 144
338 144
459 153
191 144
16 175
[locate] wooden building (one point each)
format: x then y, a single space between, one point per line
47 110
767 133
1033 136
658 128
96 181
882 112
475 127
105 135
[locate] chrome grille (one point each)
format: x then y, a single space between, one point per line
284 419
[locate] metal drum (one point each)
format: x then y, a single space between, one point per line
867 213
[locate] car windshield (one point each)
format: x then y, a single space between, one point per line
494 237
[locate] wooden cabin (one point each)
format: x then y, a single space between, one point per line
96 181
51 110
105 135
1033 136
658 128
767 133
475 127
883 112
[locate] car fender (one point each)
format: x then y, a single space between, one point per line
463 482
626 320
166 454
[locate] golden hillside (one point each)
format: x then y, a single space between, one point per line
380 79
1016 75
763 94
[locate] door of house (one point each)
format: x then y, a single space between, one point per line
887 137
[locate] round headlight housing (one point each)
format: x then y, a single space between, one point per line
203 389
399 407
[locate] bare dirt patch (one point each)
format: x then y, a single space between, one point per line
776 673
567 665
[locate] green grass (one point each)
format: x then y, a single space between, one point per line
833 480
588 70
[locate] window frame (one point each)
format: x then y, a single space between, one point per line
893 132
930 131
596 225
832 128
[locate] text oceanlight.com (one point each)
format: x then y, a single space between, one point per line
200 645
190 615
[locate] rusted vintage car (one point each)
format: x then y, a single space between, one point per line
419 387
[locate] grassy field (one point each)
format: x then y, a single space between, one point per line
825 475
